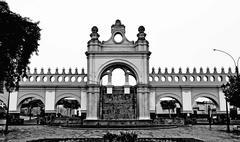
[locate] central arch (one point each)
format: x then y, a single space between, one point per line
119 63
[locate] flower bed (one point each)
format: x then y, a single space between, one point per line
122 137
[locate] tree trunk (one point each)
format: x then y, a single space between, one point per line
169 113
7 115
30 111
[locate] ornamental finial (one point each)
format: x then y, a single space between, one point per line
141 35
94 36
118 22
141 29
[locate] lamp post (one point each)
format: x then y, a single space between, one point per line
236 71
234 61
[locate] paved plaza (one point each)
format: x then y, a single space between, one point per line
202 132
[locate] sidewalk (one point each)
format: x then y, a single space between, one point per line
202 132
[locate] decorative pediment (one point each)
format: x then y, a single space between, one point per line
118 37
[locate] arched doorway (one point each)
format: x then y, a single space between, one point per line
205 108
68 107
32 110
118 93
169 107
202 105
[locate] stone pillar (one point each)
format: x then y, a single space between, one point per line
93 102
152 102
187 100
109 79
83 101
109 84
13 102
50 96
143 103
222 101
126 79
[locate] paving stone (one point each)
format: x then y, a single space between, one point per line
24 133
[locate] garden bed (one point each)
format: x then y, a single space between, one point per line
104 140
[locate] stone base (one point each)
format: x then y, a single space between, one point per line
117 123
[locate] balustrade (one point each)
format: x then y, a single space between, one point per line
188 78
54 79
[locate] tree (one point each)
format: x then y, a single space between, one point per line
69 104
32 104
232 90
18 41
168 104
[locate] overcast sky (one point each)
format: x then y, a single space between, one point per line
181 33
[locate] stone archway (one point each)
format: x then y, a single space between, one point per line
126 69
167 95
110 54
29 95
116 63
210 96
118 102
67 95
31 109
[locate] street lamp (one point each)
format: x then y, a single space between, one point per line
236 71
234 61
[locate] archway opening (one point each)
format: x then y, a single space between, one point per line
32 110
68 107
118 93
204 106
169 107
118 77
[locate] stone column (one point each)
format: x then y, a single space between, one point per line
13 98
93 102
83 101
126 79
152 102
187 100
50 96
109 84
143 103
222 101
109 79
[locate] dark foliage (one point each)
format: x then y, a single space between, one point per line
18 41
33 103
72 104
232 90
168 104
123 137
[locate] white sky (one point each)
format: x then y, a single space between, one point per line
181 33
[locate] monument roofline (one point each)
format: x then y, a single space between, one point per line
118 40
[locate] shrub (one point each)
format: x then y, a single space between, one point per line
123 137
